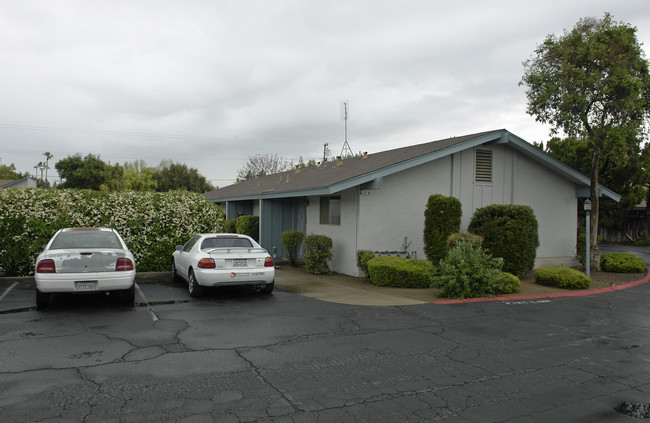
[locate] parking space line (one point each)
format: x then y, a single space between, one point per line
4 294
153 314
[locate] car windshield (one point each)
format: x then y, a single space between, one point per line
85 239
225 242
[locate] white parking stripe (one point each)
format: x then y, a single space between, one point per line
4 294
153 314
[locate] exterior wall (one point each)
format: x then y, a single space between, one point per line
555 205
396 210
344 236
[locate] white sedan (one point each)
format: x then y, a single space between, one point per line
223 260
82 260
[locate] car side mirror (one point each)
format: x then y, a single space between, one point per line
179 248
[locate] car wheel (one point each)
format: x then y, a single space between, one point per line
175 277
128 295
268 288
193 286
42 299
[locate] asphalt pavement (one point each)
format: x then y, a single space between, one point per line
237 355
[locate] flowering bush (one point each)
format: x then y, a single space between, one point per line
151 223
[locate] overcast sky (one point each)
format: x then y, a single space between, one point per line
209 83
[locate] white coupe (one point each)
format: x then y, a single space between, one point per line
223 260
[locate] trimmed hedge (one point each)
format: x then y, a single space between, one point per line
507 283
441 219
318 254
509 232
562 277
151 223
400 272
292 240
621 263
249 225
363 257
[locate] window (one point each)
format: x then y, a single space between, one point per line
330 210
189 244
483 166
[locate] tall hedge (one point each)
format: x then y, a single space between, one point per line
508 231
151 223
249 225
318 254
441 219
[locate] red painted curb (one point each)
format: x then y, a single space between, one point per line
646 279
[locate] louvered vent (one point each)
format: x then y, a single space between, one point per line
484 166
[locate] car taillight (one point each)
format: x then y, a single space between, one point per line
268 262
207 263
123 264
46 266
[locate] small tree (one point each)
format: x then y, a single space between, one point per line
441 219
292 240
318 254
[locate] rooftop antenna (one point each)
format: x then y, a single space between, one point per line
326 152
346 151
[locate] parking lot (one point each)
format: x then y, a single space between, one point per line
236 355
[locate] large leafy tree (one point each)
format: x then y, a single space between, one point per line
88 172
173 176
9 171
625 172
592 84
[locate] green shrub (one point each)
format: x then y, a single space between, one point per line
230 226
292 240
400 272
468 271
507 283
249 225
151 223
562 277
509 232
318 254
441 218
363 256
621 263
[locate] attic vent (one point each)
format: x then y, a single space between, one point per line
483 166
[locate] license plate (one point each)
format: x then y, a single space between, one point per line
239 263
85 286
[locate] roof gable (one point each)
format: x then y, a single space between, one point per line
333 177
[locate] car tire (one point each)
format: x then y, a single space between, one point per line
267 289
175 277
193 286
128 295
42 299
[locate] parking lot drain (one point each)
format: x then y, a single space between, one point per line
634 409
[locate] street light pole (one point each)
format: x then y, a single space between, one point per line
587 253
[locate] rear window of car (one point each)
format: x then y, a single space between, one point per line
223 242
81 239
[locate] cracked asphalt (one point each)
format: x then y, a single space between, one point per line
239 356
